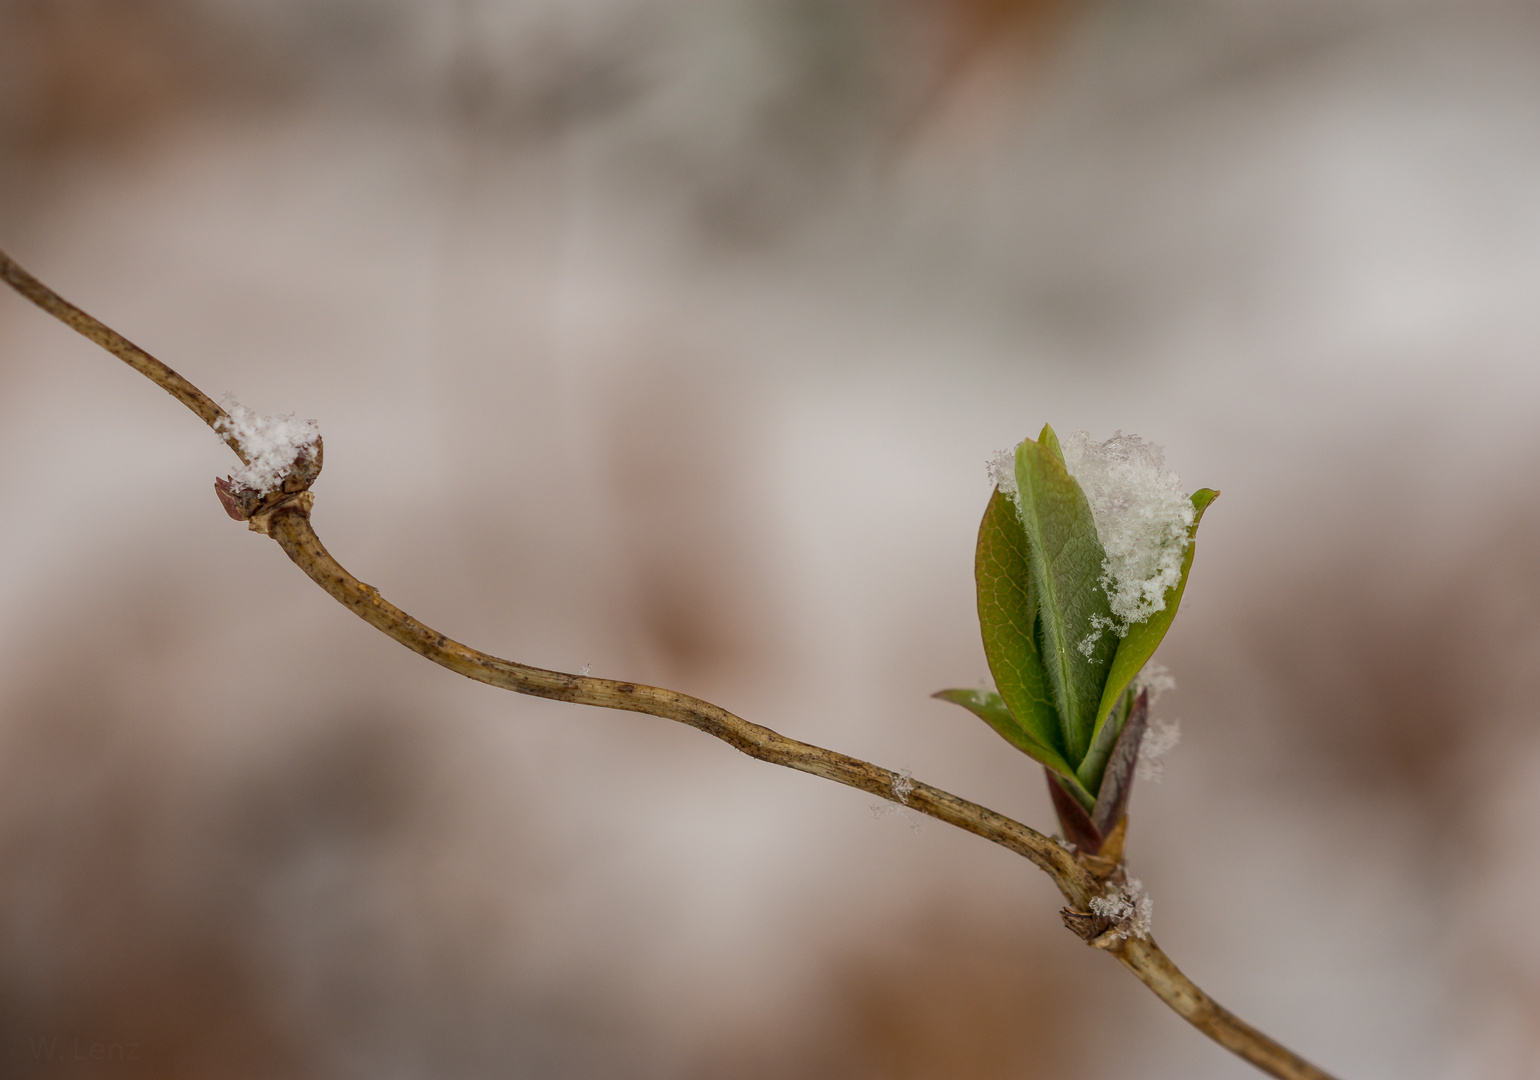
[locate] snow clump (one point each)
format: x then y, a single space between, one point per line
1002 470
1142 517
272 444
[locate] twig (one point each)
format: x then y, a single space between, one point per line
285 516
1155 969
157 372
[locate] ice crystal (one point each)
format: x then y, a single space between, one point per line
1002 470
1128 907
1115 907
272 444
903 786
1159 740
1156 678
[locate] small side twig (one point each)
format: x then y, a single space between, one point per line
286 518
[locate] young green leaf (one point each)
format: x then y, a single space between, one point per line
1134 650
1048 439
1074 616
1008 617
991 708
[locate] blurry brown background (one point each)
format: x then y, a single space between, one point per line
671 336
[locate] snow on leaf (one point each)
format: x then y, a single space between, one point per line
1142 517
1002 472
1141 641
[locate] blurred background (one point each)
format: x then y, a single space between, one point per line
671 337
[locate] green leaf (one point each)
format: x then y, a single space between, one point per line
991 708
1048 439
1008 618
1135 650
1073 611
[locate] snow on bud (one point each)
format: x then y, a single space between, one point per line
1127 907
272 445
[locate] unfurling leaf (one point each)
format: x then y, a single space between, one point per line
991 708
1008 611
1063 660
1075 620
1135 650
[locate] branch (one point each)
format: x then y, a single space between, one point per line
157 372
1154 968
285 516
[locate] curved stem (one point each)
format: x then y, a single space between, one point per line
158 372
288 522
1155 969
290 526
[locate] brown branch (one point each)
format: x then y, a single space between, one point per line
289 524
285 516
1155 969
157 372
